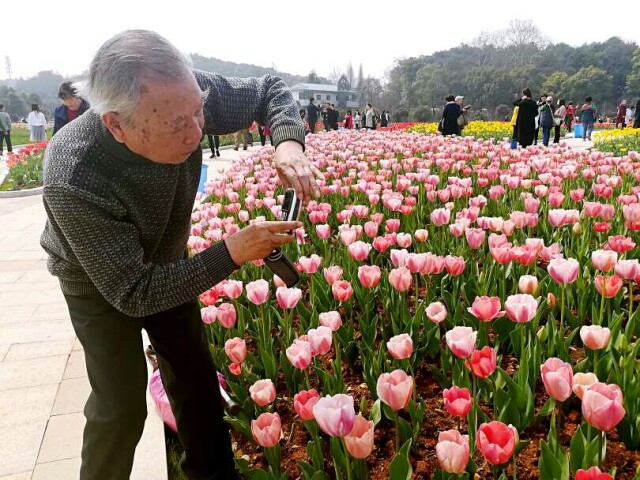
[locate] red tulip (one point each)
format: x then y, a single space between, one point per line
563 271
486 308
457 401
461 341
330 319
482 362
602 406
400 279
236 349
335 415
263 392
395 389
400 346
267 430
595 337
359 441
369 276
594 473
558 378
341 290
452 451
210 297
303 403
496 441
608 286
333 274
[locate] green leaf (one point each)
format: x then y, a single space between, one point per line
400 467
553 466
375 415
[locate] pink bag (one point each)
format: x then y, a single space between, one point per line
159 396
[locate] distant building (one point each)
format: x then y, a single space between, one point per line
322 94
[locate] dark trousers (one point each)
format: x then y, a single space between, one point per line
263 137
535 135
556 136
568 120
312 124
214 141
6 137
116 408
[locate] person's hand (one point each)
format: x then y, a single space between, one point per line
257 241
296 171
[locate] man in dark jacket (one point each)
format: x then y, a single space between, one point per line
72 106
333 115
526 122
312 115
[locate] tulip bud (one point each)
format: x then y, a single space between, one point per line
541 334
551 300
577 229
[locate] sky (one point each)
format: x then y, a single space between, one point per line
293 36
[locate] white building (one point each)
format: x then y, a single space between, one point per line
322 94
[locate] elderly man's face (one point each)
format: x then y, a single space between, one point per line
167 124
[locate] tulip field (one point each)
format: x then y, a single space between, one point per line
465 311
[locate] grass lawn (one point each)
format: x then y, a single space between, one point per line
20 134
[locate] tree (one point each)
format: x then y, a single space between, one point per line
343 91
589 81
334 76
556 84
312 77
350 75
633 79
431 85
370 91
360 77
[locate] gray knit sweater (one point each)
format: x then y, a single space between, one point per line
118 223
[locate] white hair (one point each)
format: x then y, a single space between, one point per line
123 62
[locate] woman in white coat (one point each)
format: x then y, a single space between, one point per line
37 124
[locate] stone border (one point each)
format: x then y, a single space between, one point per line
28 192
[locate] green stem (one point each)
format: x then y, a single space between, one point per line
347 460
600 445
562 312
631 304
604 289
397 432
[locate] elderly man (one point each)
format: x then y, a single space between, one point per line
120 182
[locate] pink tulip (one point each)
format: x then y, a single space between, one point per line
436 312
602 406
232 289
395 389
620 243
310 264
288 297
359 250
400 346
457 401
604 260
421 235
330 319
320 339
416 262
486 308
303 403
258 291
521 308
369 276
341 290
236 349
475 237
267 430
608 286
400 279
595 337
454 265
628 269
359 441
381 244
393 224
582 382
371 229
558 378
440 216
347 237
399 257
403 240
263 392
452 451
323 231
482 362
563 271
594 473
496 441
226 315
528 284
333 274
299 354
461 341
335 415
209 314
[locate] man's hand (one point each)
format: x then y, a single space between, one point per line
296 171
257 241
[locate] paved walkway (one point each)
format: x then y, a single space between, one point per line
43 380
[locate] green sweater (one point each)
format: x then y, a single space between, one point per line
5 122
118 223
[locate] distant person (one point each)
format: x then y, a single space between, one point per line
369 118
333 115
242 136
568 118
72 106
462 119
636 122
312 115
450 114
303 115
5 130
588 118
264 133
357 120
348 120
621 114
628 120
37 124
526 121
541 101
558 119
546 120
384 118
325 117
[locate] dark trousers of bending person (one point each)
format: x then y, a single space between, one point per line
263 137
214 141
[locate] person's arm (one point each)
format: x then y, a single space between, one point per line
233 103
